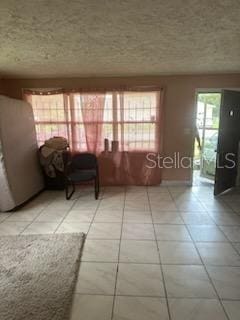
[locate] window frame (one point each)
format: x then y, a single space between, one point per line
118 125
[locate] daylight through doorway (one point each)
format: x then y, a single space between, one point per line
206 137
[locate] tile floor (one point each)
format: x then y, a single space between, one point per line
151 253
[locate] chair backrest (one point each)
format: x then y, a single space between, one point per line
84 161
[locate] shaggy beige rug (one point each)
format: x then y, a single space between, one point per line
38 275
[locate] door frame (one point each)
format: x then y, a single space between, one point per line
228 142
198 91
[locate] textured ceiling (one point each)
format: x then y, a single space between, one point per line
71 38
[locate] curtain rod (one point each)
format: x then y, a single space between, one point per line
50 91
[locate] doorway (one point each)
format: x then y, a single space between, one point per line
206 137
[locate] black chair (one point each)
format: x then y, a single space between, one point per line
82 167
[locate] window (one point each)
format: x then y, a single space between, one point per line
137 120
86 119
50 116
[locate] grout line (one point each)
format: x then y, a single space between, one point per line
161 268
235 249
32 221
204 266
10 214
162 263
90 223
210 279
149 296
69 209
118 259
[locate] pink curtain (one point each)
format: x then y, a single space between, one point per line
51 114
86 119
92 108
131 166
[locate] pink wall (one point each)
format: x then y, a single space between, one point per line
179 101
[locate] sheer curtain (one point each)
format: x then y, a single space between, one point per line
139 122
92 108
77 117
51 114
133 118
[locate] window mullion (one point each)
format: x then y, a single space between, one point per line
115 116
73 121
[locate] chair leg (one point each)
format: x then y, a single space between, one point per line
96 187
68 196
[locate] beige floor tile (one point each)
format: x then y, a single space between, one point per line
140 308
231 232
206 233
41 228
157 189
101 250
187 282
237 246
52 215
85 205
226 281
72 227
133 189
235 205
92 307
197 218
105 231
194 206
137 205
12 228
137 217
158 197
80 216
172 252
4 215
139 251
181 197
225 218
96 278
202 190
203 197
196 309
167 217
179 189
108 216
61 205
47 195
163 206
136 197
230 198
232 308
218 254
117 198
111 205
216 206
86 196
138 231
27 216
139 280
172 232
35 205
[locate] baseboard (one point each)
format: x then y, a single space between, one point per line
176 183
